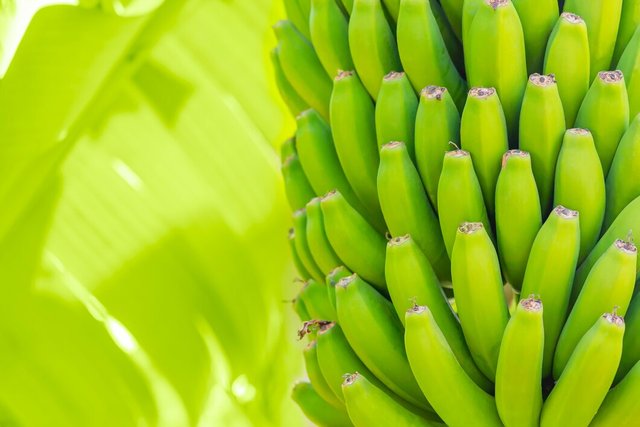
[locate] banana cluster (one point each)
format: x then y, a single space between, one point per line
465 184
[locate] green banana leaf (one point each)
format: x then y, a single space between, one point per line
143 259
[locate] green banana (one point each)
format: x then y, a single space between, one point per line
354 134
469 10
297 17
372 43
294 102
605 112
374 332
495 57
550 273
584 383
355 241
396 111
621 406
567 58
451 39
319 246
459 196
332 280
296 185
305 8
319 383
629 22
602 18
302 67
406 207
631 345
537 19
330 36
287 148
609 284
302 245
518 216
347 5
317 409
519 374
297 262
411 280
453 12
483 132
437 124
423 52
454 396
542 127
480 300
316 300
579 185
629 64
300 310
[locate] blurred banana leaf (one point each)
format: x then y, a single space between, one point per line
142 260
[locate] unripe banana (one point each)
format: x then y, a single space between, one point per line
355 241
287 148
519 375
374 332
483 132
319 246
602 18
537 19
330 36
300 310
453 395
495 57
332 280
368 406
348 5
319 383
480 300
542 127
609 284
305 8
317 409
629 64
315 298
518 216
469 10
605 112
396 111
297 262
296 185
302 68
584 383
621 406
354 135
631 344
579 185
372 43
459 196
629 22
302 245
453 12
437 124
411 280
406 208
294 102
296 16
423 52
451 40
567 58
550 272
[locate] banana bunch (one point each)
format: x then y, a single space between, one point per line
465 185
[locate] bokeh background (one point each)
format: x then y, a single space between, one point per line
144 268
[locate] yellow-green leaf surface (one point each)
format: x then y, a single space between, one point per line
143 263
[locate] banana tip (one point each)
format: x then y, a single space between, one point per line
350 378
433 92
481 92
542 80
564 212
531 303
470 227
571 18
611 76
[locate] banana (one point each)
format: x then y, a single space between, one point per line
584 383
495 57
411 280
483 132
375 334
297 262
579 185
330 36
406 207
354 135
302 68
296 185
368 406
631 344
332 280
453 12
437 124
519 374
372 43
459 196
605 112
423 52
602 18
319 383
629 64
621 406
317 409
469 10
355 241
542 127
609 284
480 300
518 216
315 298
300 310
302 245
567 58
629 21
451 39
347 5
453 395
319 246
296 16
550 272
396 111
305 8
537 19
294 102
287 148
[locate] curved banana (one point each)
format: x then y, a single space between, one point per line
629 22
300 310
584 383
537 19
319 383
621 406
319 246
550 272
437 124
631 345
629 64
406 208
330 36
396 111
297 17
567 58
297 262
452 41
296 185
453 395
317 409
483 132
294 102
332 280
302 245
453 12
315 298
469 10
519 374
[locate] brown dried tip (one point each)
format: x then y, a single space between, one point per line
456 153
481 92
610 76
392 145
579 131
329 195
513 153
626 246
346 281
344 74
350 378
531 303
400 240
613 317
497 3
566 213
292 233
433 92
542 80
394 75
470 227
417 309
314 325
571 18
